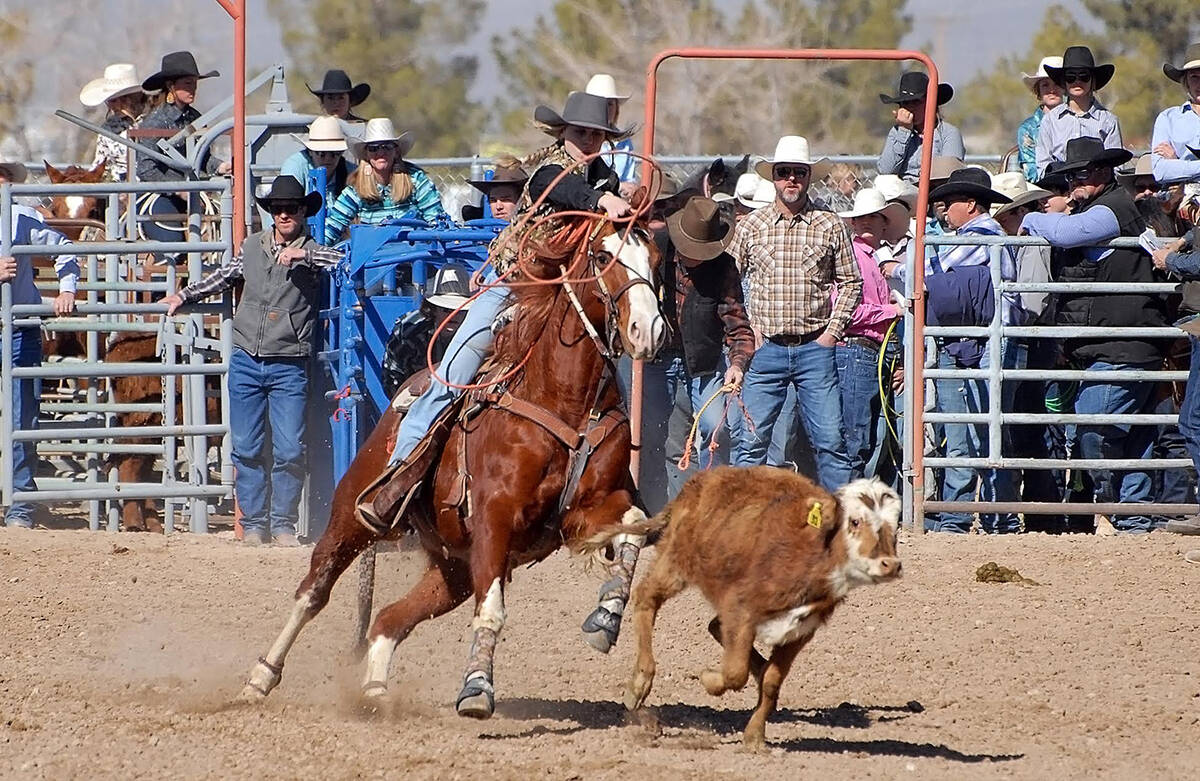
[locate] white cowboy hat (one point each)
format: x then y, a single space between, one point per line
1014 185
604 86
870 201
896 189
119 79
377 131
790 149
451 288
325 134
1031 79
745 188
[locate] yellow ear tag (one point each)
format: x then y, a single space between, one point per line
814 516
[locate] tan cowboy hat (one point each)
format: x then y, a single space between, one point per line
503 173
1191 59
1143 167
119 79
324 135
14 172
1031 79
941 168
604 86
697 230
790 149
868 200
1014 185
380 130
896 189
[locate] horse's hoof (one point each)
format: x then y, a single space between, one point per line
251 694
600 629
476 700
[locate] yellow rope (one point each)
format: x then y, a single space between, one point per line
686 460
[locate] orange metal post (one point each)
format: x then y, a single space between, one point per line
237 11
916 384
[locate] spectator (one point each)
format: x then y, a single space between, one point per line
120 90
407 350
1049 96
1105 211
504 189
1082 114
1176 130
840 184
793 256
902 149
28 228
324 147
1055 182
624 165
13 172
273 337
580 130
1157 203
179 78
385 186
858 363
338 95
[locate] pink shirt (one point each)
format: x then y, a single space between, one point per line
876 311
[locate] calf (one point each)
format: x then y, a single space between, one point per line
774 554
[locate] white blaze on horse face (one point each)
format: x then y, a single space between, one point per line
645 330
75 207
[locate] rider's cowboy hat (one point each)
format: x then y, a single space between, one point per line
697 230
1191 60
1031 79
503 173
337 82
913 85
175 65
1090 152
288 188
604 86
451 288
324 135
119 79
969 183
868 200
380 130
582 110
790 149
15 172
1079 58
1018 189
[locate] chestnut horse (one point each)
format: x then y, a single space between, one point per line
509 486
76 207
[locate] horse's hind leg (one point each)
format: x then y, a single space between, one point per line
443 587
603 625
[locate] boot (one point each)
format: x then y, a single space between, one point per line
396 488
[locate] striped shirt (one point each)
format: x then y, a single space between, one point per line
424 203
230 272
792 266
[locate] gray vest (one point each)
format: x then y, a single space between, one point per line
274 318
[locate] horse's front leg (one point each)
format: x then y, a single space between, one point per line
489 561
603 625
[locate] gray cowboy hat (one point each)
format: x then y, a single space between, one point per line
913 85
288 188
1080 58
697 230
175 65
336 82
581 110
969 183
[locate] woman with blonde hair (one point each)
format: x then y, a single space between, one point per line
385 186
120 90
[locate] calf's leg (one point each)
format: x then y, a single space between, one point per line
737 638
757 662
663 582
768 692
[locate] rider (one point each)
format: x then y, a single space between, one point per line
580 130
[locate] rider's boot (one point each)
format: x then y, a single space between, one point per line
383 503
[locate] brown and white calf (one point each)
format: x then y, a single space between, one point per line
774 554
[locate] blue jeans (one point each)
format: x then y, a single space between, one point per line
858 379
27 351
1189 409
468 349
812 369
690 393
1118 441
274 392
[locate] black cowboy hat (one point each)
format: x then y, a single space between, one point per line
336 82
502 174
288 188
581 110
969 183
1079 58
175 65
913 85
697 230
1090 152
1053 178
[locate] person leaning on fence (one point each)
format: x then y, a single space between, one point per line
324 147
273 337
28 228
1082 115
1049 97
120 91
580 130
504 189
793 256
385 186
840 184
901 153
1176 135
1104 211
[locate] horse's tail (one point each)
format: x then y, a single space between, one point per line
651 528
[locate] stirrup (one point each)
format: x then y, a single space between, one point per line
367 516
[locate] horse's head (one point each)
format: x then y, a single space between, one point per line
76 207
625 259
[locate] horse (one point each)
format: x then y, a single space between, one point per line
544 461
716 177
76 207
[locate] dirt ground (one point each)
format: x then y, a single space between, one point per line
121 654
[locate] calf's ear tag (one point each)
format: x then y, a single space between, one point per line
814 516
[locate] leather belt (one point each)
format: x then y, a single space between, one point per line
792 340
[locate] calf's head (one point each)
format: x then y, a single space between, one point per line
870 519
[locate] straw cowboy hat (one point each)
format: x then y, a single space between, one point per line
604 86
1031 79
175 65
502 174
1079 58
337 82
380 130
868 200
1143 167
896 189
451 287
582 109
697 230
14 172
790 149
119 79
969 183
288 188
913 85
1017 188
324 135
1090 152
1191 59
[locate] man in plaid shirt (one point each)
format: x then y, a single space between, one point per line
803 287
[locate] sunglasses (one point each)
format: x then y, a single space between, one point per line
783 172
1077 77
286 207
1083 174
386 146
